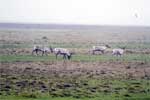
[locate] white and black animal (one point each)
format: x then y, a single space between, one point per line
118 51
43 50
37 49
62 51
100 49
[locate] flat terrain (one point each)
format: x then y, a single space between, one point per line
85 76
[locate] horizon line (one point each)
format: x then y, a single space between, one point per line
76 24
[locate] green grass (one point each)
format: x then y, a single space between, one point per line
85 58
106 89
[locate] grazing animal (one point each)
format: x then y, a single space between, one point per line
37 49
118 52
100 49
44 50
62 51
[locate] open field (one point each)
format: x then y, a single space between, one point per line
84 77
76 80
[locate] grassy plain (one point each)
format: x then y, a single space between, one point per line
84 77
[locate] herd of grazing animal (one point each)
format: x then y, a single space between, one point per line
68 54
57 51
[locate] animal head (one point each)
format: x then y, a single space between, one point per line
70 56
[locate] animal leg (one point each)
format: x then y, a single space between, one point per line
57 55
102 51
36 51
93 52
43 53
33 52
46 53
64 56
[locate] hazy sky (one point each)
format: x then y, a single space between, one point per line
111 12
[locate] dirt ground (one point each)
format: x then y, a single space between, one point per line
108 69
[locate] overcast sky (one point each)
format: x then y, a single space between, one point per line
99 12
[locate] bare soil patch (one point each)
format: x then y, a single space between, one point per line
109 69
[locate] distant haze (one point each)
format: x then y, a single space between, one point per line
89 12
72 27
